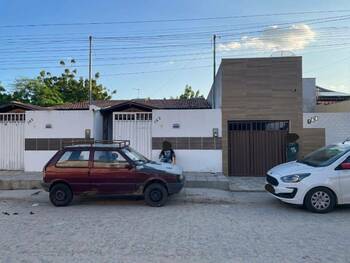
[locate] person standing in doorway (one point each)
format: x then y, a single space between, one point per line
167 155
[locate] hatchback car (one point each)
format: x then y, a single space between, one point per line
319 181
109 169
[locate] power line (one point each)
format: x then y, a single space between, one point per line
176 19
154 71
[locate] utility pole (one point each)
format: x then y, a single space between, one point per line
214 57
138 92
90 70
214 71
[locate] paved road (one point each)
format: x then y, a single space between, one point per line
197 226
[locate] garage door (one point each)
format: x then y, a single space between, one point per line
256 146
12 141
135 127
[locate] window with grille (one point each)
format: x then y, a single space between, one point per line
258 125
144 116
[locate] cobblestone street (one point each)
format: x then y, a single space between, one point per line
196 226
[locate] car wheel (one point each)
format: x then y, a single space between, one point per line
156 195
61 195
320 200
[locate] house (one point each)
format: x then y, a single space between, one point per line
326 96
241 129
191 126
261 100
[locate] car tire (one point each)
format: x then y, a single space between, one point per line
156 195
320 200
61 195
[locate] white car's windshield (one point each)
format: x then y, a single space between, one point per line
325 156
134 155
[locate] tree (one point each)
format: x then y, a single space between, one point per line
48 89
189 93
4 96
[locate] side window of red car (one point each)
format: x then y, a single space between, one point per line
109 159
74 158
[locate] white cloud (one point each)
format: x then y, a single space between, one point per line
275 38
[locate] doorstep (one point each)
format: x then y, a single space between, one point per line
20 180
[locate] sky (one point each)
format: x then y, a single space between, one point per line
154 48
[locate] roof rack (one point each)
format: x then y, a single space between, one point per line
120 143
116 143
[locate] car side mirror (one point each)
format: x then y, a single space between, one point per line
345 166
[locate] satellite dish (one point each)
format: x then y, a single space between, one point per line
283 53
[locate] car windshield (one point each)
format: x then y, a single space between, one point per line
135 156
325 156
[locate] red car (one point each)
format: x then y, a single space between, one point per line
109 169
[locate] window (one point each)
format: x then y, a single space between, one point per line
109 159
325 156
258 125
74 159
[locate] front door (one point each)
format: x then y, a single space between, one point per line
344 179
111 173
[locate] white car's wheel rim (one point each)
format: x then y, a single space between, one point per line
320 200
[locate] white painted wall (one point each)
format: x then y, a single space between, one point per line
197 160
193 123
309 94
337 125
34 161
65 124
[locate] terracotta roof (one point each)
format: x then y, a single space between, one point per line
197 103
21 105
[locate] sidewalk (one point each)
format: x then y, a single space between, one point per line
20 180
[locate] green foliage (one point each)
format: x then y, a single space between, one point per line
48 89
4 96
190 94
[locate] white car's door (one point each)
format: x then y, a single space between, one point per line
343 173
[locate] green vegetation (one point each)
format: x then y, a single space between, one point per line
47 89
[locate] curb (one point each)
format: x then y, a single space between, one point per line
19 184
218 185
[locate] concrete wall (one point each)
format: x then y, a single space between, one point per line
64 124
309 94
337 125
313 139
215 93
193 124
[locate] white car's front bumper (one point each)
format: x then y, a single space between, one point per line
289 193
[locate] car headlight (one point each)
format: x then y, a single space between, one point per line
294 178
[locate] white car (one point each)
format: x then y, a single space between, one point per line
320 181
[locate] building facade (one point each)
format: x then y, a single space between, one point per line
261 103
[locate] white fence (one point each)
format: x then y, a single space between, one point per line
12 141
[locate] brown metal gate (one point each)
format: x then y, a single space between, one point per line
256 146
